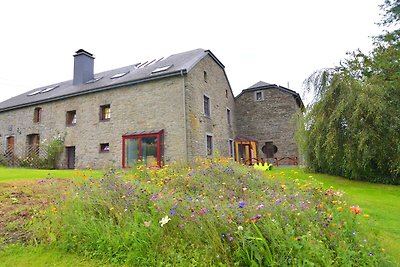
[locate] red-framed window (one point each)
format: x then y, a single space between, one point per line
143 148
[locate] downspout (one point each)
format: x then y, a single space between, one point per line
184 114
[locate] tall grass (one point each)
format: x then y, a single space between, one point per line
209 213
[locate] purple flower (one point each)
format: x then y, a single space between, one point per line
241 204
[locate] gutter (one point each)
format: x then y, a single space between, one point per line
98 89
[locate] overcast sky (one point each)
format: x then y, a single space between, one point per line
279 42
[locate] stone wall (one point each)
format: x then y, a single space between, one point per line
208 78
147 106
271 119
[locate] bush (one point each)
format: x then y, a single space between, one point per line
210 213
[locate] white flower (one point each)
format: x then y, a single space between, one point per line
240 228
164 221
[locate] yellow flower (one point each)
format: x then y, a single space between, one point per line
339 209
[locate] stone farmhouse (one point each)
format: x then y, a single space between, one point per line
171 109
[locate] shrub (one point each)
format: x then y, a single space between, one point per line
210 213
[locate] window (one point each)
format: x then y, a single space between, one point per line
105 147
207 110
269 149
209 145
205 76
33 141
71 118
259 96
146 148
230 143
37 115
119 75
10 146
228 116
105 113
160 69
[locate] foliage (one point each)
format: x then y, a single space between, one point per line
210 213
352 126
54 149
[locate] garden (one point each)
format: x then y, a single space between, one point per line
208 213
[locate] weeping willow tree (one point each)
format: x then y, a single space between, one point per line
352 127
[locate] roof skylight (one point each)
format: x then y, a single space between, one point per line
160 69
119 75
34 93
48 89
94 80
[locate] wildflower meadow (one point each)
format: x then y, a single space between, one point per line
209 213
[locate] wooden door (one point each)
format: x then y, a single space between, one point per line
70 157
10 145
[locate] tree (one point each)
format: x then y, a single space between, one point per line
352 127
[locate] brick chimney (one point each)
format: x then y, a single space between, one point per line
83 67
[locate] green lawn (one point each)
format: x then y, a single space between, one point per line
19 256
381 202
13 174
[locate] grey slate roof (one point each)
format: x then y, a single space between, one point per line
263 85
180 63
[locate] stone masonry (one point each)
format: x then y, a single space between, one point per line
269 119
168 96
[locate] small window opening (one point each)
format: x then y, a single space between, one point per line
259 96
71 118
209 145
205 76
104 147
105 113
207 110
37 115
230 143
228 116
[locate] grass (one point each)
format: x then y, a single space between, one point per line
14 174
381 202
22 256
